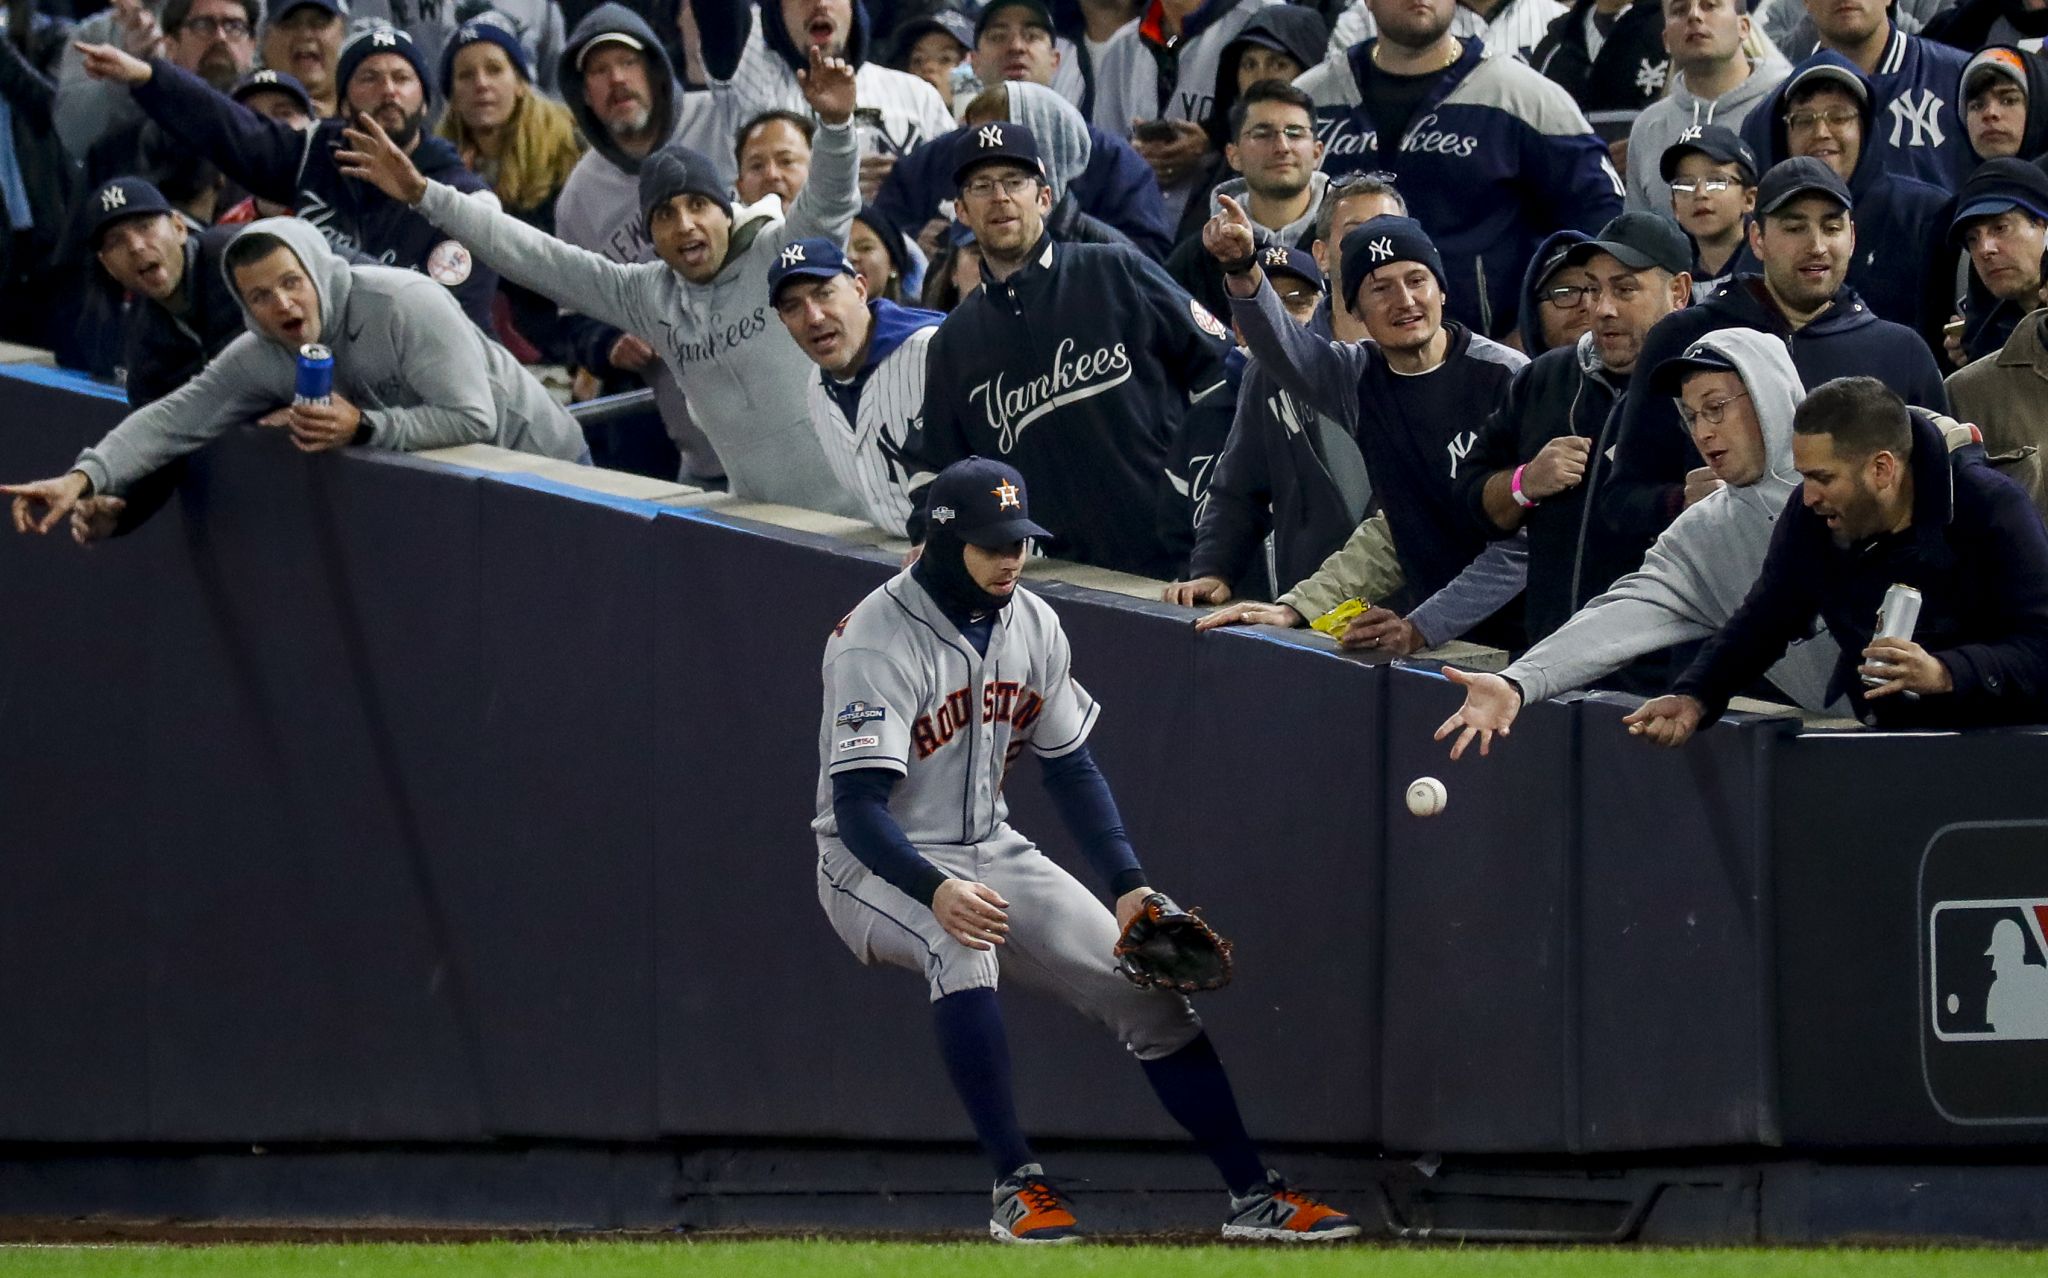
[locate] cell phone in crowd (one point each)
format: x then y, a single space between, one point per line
1954 328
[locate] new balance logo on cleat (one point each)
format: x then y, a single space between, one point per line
1029 1210
1275 1213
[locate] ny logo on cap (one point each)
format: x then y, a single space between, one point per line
792 255
1276 256
112 198
990 135
264 77
1007 495
1382 249
942 514
386 39
1692 133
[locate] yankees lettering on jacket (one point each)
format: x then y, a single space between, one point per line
1010 408
1002 701
721 335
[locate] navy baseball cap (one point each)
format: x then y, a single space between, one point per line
982 502
1638 241
1276 259
948 19
816 258
1669 377
1721 145
996 140
1787 180
333 8
119 200
1041 15
1999 186
268 81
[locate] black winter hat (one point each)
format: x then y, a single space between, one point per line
677 170
1385 239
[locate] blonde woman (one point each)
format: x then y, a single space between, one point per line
521 142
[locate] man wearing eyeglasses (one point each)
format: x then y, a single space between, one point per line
1825 111
213 40
1543 454
1274 151
1075 363
1713 82
1712 177
1804 235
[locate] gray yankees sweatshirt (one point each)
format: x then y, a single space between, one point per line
742 376
404 353
1699 571
1661 123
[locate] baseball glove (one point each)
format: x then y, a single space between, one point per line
1172 948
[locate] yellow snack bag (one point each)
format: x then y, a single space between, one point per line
1332 623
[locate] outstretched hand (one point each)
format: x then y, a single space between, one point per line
105 62
828 86
374 158
1491 704
38 506
1228 235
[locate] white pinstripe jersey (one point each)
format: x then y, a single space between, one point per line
905 691
867 454
894 110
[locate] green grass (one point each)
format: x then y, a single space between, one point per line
799 1259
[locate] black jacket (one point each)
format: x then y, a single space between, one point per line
32 269
1977 552
1628 75
276 162
1572 556
1077 370
166 350
1653 451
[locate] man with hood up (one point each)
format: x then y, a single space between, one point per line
409 373
1554 310
1713 81
1740 389
1995 100
706 299
627 101
755 52
1099 171
380 74
1824 110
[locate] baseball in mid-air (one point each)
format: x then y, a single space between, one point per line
1427 796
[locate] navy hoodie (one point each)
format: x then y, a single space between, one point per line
276 162
1903 266
1977 552
1653 450
1919 133
1077 370
1494 160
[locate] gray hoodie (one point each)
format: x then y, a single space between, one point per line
1657 129
404 353
1700 570
1059 128
744 378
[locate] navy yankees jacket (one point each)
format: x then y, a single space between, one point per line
1976 551
1077 370
1653 450
1494 161
276 162
1917 131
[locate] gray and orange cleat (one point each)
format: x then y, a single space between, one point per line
1274 1213
1029 1210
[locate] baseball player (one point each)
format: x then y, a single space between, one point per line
934 685
868 396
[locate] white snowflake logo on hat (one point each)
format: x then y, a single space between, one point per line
792 255
942 514
1693 133
990 135
112 198
1382 249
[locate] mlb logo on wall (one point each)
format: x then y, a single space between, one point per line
1983 1005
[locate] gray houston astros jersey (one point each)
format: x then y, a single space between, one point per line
904 690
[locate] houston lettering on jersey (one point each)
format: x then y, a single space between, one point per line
1012 408
1002 701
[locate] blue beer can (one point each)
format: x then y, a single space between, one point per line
315 383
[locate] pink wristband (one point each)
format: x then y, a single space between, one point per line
1522 499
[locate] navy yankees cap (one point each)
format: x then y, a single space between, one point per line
1787 180
981 501
379 38
1638 241
997 140
945 18
119 200
268 81
1668 378
1275 259
1999 186
1721 145
816 258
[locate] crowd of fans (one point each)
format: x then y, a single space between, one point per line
1650 340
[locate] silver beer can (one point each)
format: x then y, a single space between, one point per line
1896 618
